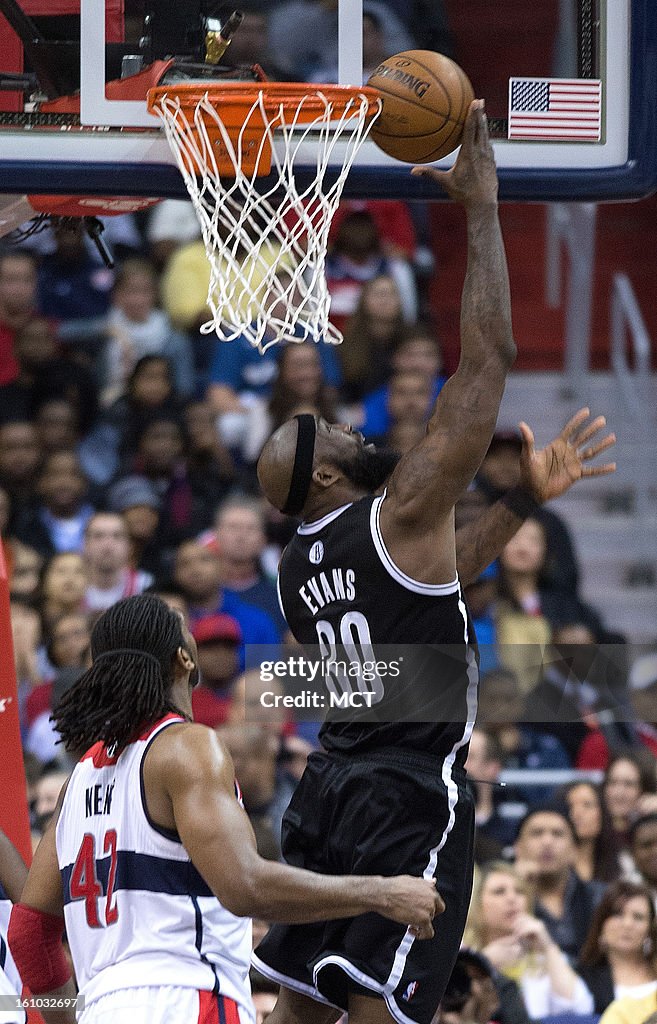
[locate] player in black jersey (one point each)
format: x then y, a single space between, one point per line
366 569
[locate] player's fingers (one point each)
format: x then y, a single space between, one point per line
574 422
601 446
430 172
527 435
472 122
422 931
439 905
609 467
589 431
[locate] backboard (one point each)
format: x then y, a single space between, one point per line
106 145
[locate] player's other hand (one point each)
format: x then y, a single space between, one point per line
549 472
472 181
413 902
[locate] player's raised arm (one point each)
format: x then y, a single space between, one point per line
197 773
429 479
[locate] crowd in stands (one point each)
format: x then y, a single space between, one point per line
128 444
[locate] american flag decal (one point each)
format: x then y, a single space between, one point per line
560 109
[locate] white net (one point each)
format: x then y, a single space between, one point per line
267 248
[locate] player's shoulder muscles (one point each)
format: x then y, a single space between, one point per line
188 754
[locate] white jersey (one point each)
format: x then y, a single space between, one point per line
10 980
137 911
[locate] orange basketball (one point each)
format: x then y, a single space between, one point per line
425 101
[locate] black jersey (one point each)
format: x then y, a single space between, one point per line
339 588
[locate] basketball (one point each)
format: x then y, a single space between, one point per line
425 101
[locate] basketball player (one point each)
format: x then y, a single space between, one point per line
364 569
150 855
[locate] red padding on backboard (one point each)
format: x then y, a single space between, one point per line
11 47
14 818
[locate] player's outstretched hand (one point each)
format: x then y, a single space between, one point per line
413 902
472 181
551 471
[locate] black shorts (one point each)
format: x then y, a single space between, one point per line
387 813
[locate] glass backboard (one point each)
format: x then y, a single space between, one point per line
101 139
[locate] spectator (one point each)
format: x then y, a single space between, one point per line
47 793
370 337
264 994
596 856
642 683
618 957
427 22
494 831
251 44
207 455
629 788
136 500
304 34
72 285
519 945
523 627
374 48
298 387
240 535
408 407
150 389
172 223
44 374
481 600
26 638
43 740
18 280
25 574
417 350
107 558
476 993
545 854
187 499
500 472
357 257
197 571
136 328
239 375
218 638
266 789
393 221
56 522
5 520
643 847
63 586
566 693
20 455
522 746
631 1011
58 425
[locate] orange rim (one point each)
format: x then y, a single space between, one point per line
232 98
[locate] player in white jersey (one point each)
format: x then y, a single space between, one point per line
150 856
12 878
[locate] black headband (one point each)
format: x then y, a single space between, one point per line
129 650
303 465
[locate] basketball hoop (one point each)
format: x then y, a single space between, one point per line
266 246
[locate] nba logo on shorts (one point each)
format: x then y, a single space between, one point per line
411 989
316 552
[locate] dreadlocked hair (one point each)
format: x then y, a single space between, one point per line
120 695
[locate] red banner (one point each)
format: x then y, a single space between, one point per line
14 819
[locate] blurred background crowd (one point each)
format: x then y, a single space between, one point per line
128 444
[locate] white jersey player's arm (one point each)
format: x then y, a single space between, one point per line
12 869
42 893
192 766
